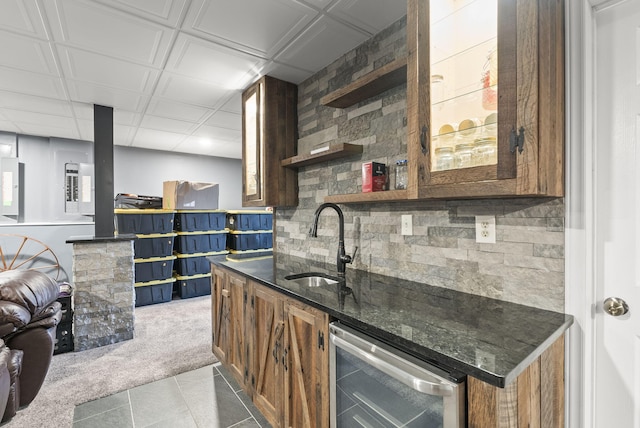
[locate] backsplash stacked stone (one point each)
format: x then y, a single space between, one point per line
525 265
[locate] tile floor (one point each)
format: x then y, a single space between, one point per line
206 397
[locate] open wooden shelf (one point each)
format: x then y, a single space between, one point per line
354 198
335 151
369 85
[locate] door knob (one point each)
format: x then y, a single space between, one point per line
615 306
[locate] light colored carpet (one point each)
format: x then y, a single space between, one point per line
169 339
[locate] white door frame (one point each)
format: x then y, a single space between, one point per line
580 283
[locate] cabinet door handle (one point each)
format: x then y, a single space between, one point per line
423 140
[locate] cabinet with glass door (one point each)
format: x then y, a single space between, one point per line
485 98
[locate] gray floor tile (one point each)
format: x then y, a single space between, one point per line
198 375
119 417
101 405
156 401
262 421
249 423
201 400
182 419
229 409
229 377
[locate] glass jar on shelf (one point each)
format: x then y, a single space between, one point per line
401 174
485 151
444 158
464 155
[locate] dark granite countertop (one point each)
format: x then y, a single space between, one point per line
491 340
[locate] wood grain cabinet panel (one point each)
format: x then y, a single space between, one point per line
269 135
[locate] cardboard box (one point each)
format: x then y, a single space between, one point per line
189 195
374 177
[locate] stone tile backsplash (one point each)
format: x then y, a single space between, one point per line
525 265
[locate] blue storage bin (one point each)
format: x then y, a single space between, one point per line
144 221
193 286
249 240
154 245
249 220
194 264
200 242
152 292
200 220
154 268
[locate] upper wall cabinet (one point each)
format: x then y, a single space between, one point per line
269 135
485 98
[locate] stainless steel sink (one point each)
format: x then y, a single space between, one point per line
312 279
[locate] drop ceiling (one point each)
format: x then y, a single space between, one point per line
173 70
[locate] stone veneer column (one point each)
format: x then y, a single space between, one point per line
104 295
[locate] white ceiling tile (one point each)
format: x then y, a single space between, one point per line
22 16
224 119
286 73
19 116
234 104
309 51
106 71
7 126
261 27
12 100
372 19
175 110
191 91
31 83
169 125
26 53
212 63
215 133
48 130
84 111
202 146
86 129
123 135
91 26
110 97
157 140
166 12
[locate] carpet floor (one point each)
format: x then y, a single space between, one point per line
169 339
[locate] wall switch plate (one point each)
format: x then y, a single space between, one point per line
486 229
407 224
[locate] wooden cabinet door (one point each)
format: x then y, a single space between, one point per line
236 357
267 344
454 100
220 314
269 135
306 366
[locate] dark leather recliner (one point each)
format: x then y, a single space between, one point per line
29 315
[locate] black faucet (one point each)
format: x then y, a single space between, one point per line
342 258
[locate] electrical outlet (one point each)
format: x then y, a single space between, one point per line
486 229
407 224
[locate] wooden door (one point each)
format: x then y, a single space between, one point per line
306 368
267 343
236 358
219 314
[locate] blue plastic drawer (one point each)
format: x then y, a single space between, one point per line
250 240
249 220
200 220
154 268
193 286
154 245
200 242
147 221
153 292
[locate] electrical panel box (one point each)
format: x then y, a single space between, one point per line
79 188
10 178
